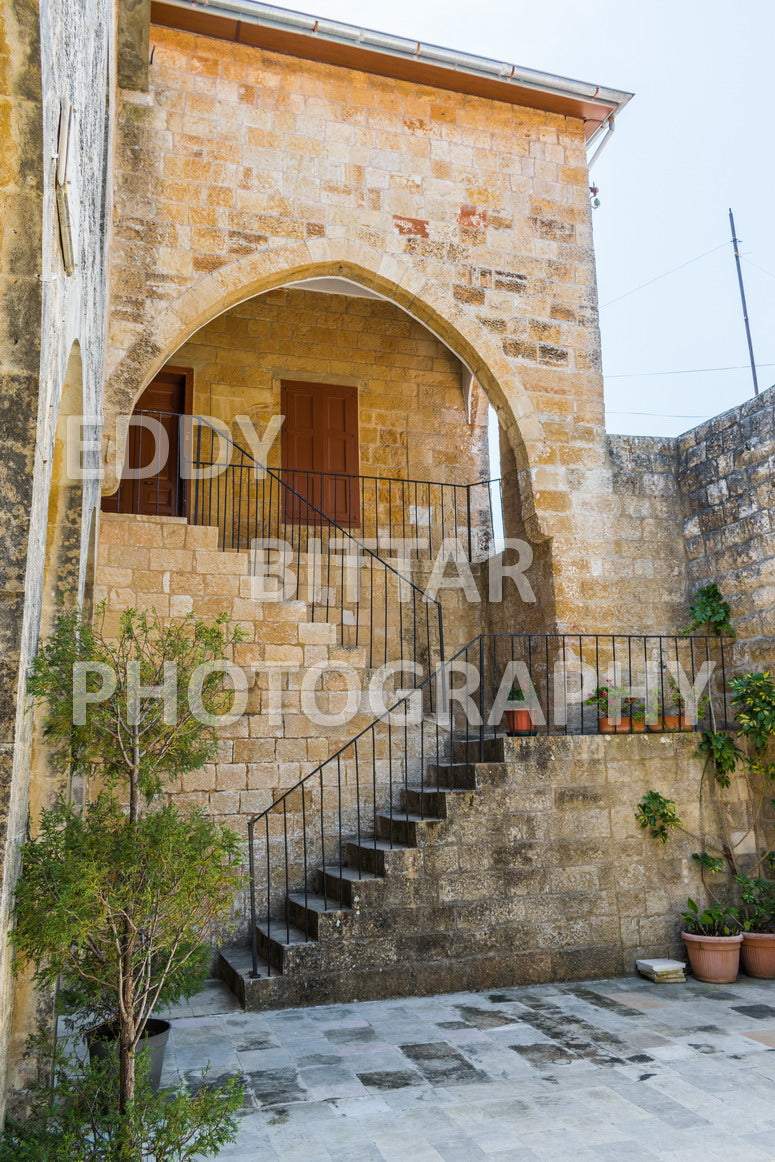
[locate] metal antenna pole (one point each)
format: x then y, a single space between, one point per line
735 241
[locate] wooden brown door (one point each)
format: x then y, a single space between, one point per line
163 494
320 451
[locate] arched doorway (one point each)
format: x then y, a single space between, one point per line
429 302
476 354
365 417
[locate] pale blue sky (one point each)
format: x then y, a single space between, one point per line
696 139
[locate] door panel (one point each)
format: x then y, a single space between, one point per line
320 438
162 494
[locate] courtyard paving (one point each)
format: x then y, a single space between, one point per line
618 1069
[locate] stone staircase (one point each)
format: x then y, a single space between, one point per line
425 904
528 866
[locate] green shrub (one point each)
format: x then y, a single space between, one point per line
77 1119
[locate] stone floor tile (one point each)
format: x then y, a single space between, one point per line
761 1141
624 1148
620 1069
360 1152
398 1147
461 1151
643 1002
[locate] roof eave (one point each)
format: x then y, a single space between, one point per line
294 33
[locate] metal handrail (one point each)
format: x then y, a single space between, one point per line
446 508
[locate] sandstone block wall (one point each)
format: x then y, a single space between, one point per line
700 508
51 349
240 170
649 531
726 476
162 563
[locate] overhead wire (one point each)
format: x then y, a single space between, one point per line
684 371
659 277
681 371
657 415
751 262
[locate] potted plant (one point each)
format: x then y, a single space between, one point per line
675 717
117 901
518 722
69 1116
614 709
653 707
758 953
636 709
713 939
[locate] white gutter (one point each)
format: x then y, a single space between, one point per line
284 19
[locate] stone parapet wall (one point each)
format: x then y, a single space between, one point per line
726 477
696 509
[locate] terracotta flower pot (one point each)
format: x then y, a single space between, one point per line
759 954
658 726
676 722
608 726
519 722
715 959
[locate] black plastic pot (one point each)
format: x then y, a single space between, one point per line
103 1043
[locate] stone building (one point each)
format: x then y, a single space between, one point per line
235 212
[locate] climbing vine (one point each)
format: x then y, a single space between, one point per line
724 751
721 751
657 813
710 612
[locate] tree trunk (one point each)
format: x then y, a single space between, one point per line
134 775
127 1026
126 1070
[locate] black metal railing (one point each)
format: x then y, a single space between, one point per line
296 550
330 822
214 481
409 518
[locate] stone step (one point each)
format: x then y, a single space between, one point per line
316 916
403 827
270 989
278 939
430 801
374 854
491 749
340 883
459 776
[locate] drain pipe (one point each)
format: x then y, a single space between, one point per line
606 138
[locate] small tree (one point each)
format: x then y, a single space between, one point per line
122 708
118 901
119 910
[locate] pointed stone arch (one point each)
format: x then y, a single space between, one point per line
431 303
